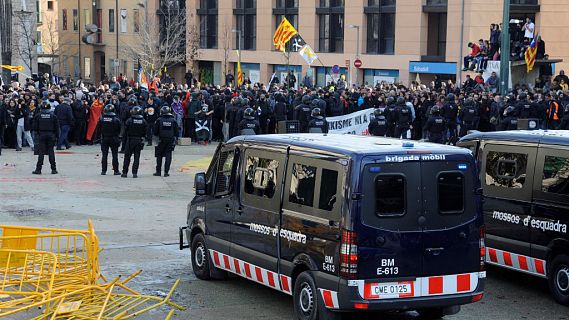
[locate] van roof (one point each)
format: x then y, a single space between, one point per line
558 137
350 144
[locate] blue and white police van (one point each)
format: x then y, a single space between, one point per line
525 177
342 223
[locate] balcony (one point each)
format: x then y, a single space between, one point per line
435 6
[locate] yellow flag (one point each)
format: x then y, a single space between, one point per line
239 73
284 33
12 68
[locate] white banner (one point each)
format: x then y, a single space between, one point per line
353 123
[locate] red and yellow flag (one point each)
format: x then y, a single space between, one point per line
530 54
284 33
12 68
240 79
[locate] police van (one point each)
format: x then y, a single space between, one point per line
525 177
342 223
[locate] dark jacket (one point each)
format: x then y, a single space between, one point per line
64 114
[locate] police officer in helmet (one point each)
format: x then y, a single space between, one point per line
47 127
468 116
403 119
302 113
135 130
110 126
450 113
390 116
166 128
436 126
510 121
125 114
318 123
249 121
378 126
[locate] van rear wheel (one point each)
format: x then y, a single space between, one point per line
308 302
559 279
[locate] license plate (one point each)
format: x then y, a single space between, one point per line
391 290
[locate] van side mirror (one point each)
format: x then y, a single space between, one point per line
200 184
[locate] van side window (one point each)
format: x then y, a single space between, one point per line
224 173
261 177
451 192
390 194
302 185
555 175
328 188
507 170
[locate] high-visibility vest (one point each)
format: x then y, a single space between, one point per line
553 116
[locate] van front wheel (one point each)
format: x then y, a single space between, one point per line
559 279
307 301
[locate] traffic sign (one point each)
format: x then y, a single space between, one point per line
336 68
358 63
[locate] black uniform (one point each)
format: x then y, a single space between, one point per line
302 114
450 112
390 117
3 123
250 124
509 123
525 109
436 127
166 128
468 116
231 112
47 127
378 126
135 130
110 126
321 124
402 121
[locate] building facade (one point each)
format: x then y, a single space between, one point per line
395 40
94 56
49 57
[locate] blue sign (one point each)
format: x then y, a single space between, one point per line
336 68
432 67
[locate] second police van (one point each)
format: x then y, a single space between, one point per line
525 177
342 223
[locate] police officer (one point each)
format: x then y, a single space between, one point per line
125 114
564 125
110 126
46 126
403 119
450 113
166 128
231 117
524 108
302 113
378 125
135 130
468 115
318 121
390 116
510 121
249 121
436 126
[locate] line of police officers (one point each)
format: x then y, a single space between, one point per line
136 128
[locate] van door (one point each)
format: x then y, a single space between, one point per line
453 216
390 236
256 221
219 210
507 178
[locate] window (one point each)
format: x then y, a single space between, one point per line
75 20
39 42
50 5
302 184
555 175
87 67
76 67
65 65
136 20
261 177
286 9
436 43
507 170
246 17
331 25
390 195
451 192
38 11
111 20
224 173
123 21
328 189
380 26
208 24
87 16
64 19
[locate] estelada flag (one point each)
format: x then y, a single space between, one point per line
531 53
284 33
240 79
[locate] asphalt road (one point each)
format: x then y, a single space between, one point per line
137 221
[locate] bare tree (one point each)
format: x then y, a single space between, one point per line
51 42
6 35
160 41
25 45
192 43
226 46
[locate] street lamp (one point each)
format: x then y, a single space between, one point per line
353 26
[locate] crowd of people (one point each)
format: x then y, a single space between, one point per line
439 112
